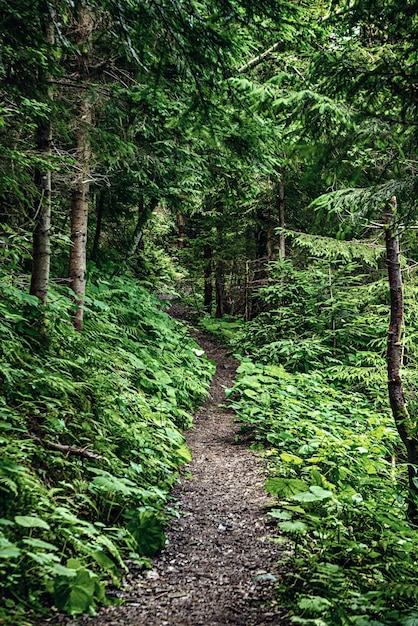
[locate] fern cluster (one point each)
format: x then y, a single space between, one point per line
333 316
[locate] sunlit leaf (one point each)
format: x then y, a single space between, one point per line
293 527
28 521
285 487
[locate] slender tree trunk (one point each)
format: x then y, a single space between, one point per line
41 244
208 290
144 213
270 236
261 235
331 298
248 292
404 424
99 219
219 288
181 230
281 207
79 216
80 196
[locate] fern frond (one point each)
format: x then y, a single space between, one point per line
8 485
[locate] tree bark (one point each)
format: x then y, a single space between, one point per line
248 293
144 213
41 240
258 59
219 289
404 424
270 230
181 231
99 219
80 196
261 235
208 289
281 207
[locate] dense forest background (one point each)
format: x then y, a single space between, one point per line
251 159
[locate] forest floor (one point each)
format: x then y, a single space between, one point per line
220 564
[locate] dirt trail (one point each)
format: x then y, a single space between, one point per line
220 563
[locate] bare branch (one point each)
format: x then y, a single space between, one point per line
67 449
258 59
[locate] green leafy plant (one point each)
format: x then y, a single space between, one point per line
341 490
78 591
332 316
91 437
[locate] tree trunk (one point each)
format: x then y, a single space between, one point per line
270 237
281 207
80 203
41 244
144 213
181 231
219 289
41 241
208 290
261 235
403 421
99 219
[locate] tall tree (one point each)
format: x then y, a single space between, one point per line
77 272
41 251
405 424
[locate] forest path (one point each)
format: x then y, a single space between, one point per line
220 563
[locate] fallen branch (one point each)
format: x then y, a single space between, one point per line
68 449
258 59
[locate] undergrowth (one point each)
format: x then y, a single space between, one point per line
91 442
224 329
340 498
331 316
312 394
